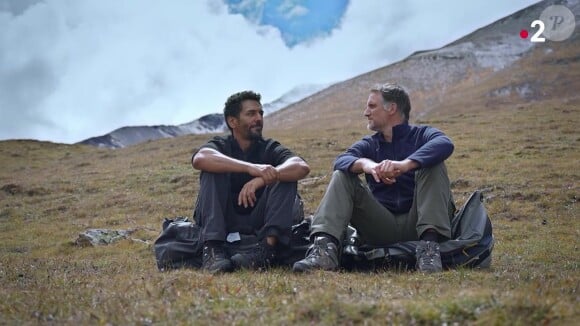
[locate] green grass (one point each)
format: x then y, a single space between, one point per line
524 157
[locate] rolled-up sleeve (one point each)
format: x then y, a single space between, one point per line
278 153
217 143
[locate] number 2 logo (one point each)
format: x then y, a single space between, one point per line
536 38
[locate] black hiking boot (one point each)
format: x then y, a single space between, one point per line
428 257
215 259
322 254
259 257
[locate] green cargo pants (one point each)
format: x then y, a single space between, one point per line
348 200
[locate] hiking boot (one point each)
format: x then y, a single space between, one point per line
322 254
215 259
260 256
428 257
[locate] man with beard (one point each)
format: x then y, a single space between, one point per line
248 185
407 196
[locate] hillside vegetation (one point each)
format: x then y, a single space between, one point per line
525 158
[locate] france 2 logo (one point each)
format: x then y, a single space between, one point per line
556 23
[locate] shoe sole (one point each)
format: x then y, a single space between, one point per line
239 262
227 268
302 268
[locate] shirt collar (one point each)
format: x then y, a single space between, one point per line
236 147
399 131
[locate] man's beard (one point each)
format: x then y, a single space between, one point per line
255 134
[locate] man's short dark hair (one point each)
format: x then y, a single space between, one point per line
397 94
233 105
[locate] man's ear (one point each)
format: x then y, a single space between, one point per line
232 122
392 107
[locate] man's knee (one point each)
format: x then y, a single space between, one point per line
438 171
339 174
213 194
344 177
282 189
344 180
209 178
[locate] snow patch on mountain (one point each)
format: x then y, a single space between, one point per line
207 124
296 94
211 123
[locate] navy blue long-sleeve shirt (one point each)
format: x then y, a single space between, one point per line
425 145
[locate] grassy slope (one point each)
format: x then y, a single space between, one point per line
525 156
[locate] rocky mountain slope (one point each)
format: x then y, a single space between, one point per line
211 123
127 136
489 66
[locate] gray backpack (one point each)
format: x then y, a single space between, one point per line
471 245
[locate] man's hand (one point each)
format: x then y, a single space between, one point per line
247 197
264 171
370 167
387 171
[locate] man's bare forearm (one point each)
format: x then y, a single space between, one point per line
210 160
292 170
359 165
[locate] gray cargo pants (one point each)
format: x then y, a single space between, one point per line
272 215
349 200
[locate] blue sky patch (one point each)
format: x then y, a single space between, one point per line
299 21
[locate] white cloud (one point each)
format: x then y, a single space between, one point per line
296 12
291 9
254 9
70 70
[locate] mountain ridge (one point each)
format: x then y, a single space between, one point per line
436 77
209 123
484 64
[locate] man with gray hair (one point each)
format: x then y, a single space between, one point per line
407 195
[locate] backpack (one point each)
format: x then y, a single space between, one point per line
471 244
179 245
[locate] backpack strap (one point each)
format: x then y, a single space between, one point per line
376 253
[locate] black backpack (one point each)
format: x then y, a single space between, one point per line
471 245
179 243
